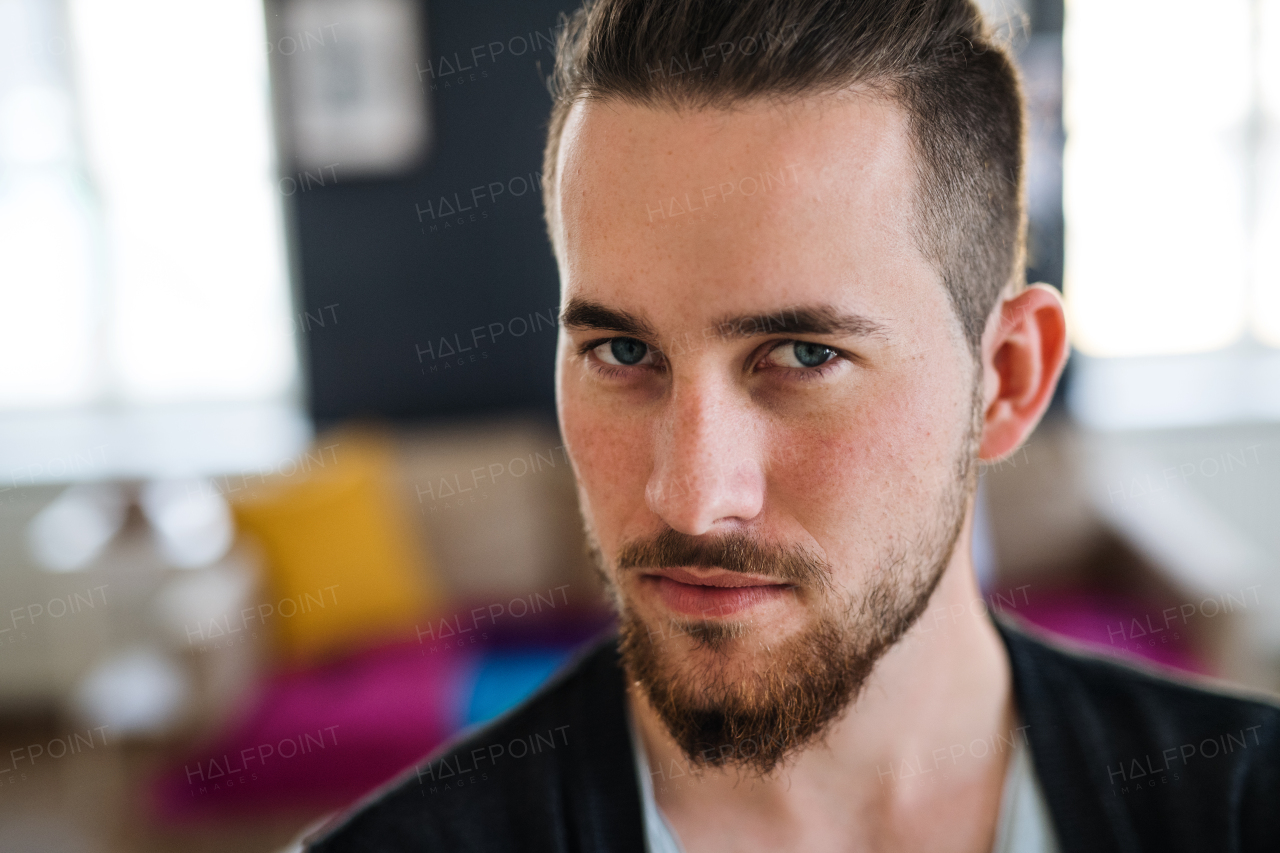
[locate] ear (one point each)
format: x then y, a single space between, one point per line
1024 349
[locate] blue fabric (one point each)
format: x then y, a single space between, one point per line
503 679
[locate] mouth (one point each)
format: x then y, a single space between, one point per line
710 593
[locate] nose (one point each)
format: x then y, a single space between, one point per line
707 470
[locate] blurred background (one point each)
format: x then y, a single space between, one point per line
282 499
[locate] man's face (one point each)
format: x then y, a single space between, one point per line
767 400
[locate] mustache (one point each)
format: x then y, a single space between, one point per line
733 552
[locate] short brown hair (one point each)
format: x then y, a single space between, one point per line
937 58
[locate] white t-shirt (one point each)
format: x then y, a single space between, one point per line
1025 825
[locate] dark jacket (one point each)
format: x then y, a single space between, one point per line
1128 760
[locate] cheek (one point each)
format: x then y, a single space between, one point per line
610 455
863 476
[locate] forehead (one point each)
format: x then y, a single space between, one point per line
812 198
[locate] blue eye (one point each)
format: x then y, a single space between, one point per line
801 355
812 355
628 351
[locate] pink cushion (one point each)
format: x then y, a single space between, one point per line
1117 625
321 737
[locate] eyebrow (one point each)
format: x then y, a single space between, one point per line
800 319
584 315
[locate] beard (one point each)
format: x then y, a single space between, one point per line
723 711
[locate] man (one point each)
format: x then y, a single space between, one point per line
793 321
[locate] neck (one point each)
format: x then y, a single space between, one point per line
935 715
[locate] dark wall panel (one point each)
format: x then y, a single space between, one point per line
414 278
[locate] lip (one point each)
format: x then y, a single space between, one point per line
713 593
713 577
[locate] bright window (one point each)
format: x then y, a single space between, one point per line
141 240
143 276
1172 203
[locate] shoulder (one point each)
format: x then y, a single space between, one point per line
1131 693
1128 751
502 785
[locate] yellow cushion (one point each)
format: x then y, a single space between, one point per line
343 568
